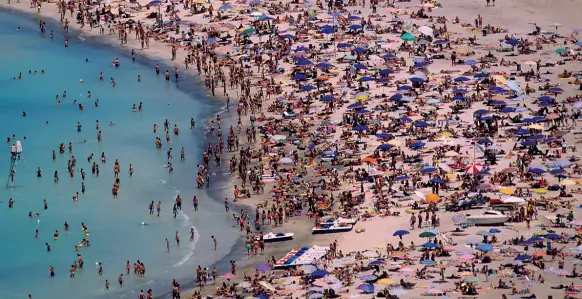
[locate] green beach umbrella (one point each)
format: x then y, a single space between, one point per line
248 32
427 235
560 50
471 279
407 37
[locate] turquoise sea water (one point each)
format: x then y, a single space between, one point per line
114 224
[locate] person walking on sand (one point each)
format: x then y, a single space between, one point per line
167 245
215 242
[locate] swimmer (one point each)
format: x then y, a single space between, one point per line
111 123
81 81
17 28
86 59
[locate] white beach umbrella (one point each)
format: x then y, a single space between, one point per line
425 30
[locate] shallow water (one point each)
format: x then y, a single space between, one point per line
115 226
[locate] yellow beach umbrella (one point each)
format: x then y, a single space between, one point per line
541 190
500 79
385 281
506 191
361 97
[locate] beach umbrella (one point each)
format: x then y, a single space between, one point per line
558 171
537 171
344 45
319 273
462 79
326 29
301 49
385 281
365 79
484 233
248 31
437 181
308 88
421 124
523 257
360 128
384 147
262 267
494 230
484 247
287 36
471 279
428 170
355 106
426 30
553 236
427 235
473 168
397 292
407 37
512 42
432 198
428 262
377 262
384 72
471 62
327 98
401 233
466 257
417 145
155 2
416 80
429 245
481 112
359 66
369 277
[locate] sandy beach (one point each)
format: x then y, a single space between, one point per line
381 113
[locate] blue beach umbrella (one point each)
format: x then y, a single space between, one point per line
428 170
462 79
355 106
523 257
360 128
512 42
429 245
319 273
401 232
437 181
417 145
359 66
484 247
308 87
344 45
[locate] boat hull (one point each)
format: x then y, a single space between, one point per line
278 239
321 231
488 221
